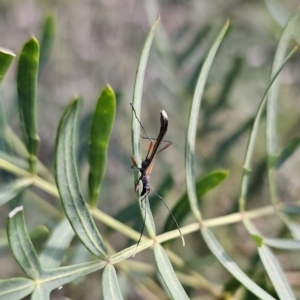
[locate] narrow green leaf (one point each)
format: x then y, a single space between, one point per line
6 58
271 117
68 184
58 277
287 152
16 288
166 271
279 58
21 245
253 134
275 274
27 84
56 245
11 190
203 186
231 266
192 127
135 126
99 139
47 40
284 244
110 285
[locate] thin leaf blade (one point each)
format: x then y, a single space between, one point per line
47 40
27 85
110 285
99 138
56 245
167 274
21 244
16 288
284 244
135 126
68 184
11 190
275 273
253 134
6 58
231 266
192 126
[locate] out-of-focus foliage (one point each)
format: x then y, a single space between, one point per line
84 46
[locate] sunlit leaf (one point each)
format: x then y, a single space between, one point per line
99 138
27 85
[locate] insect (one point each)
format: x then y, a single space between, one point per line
148 162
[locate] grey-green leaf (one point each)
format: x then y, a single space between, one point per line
285 244
253 134
57 277
15 288
168 275
68 184
110 285
231 266
56 245
271 135
135 126
99 139
21 244
6 58
11 190
192 126
27 85
275 273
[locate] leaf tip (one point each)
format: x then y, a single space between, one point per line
7 51
15 211
109 89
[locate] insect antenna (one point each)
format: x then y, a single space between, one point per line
182 238
149 138
143 227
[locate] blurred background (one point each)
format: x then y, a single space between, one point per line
99 42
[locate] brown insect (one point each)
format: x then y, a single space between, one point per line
148 162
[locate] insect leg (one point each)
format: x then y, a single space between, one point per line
143 227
